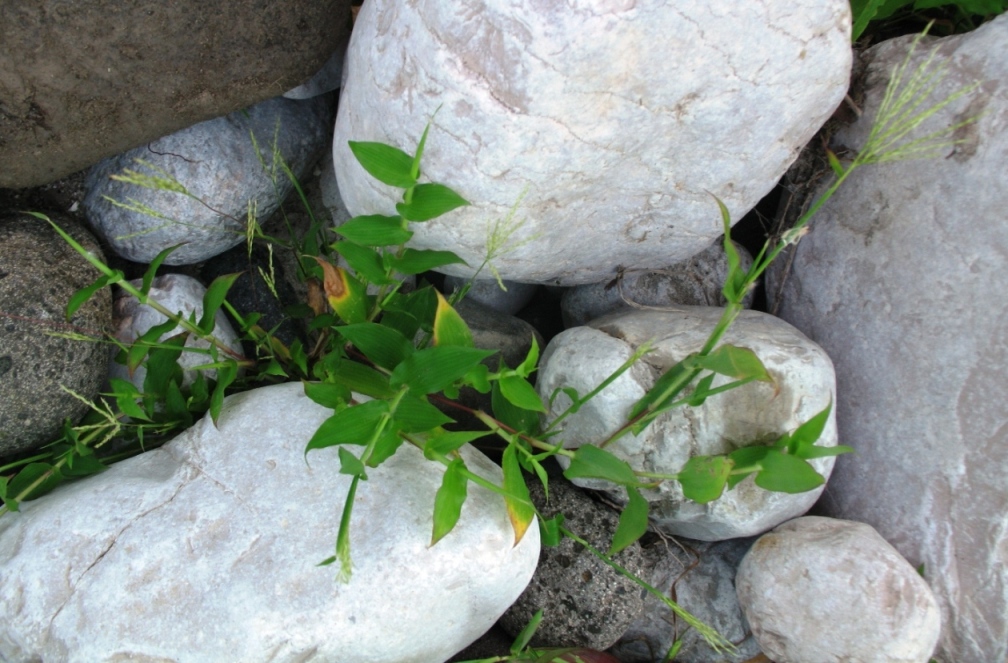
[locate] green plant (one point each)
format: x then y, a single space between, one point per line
960 15
407 351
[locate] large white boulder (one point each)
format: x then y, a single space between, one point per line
902 280
617 119
582 357
818 590
207 549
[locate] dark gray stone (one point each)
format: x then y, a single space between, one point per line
218 164
489 293
38 274
85 80
585 603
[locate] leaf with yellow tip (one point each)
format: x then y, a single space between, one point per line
449 327
345 294
517 500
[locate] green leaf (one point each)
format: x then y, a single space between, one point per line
385 163
430 201
162 365
633 521
449 500
524 421
419 305
352 425
175 405
702 391
746 458
404 323
806 435
214 298
415 414
834 163
863 12
734 287
416 261
517 499
383 345
449 327
666 388
333 396
365 261
442 443
375 230
415 167
84 465
703 478
823 452
34 480
225 376
784 473
385 447
528 365
518 646
151 272
735 362
351 464
432 369
343 537
549 530
78 298
363 379
591 462
520 393
126 396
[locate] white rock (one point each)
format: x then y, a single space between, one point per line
207 550
217 162
818 590
617 119
488 292
758 412
902 281
180 294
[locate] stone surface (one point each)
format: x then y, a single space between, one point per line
86 80
180 294
700 576
585 603
489 293
694 282
902 281
207 549
39 272
326 79
608 135
217 163
819 590
755 413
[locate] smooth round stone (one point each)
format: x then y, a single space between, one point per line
489 293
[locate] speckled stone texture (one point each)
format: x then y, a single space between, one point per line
39 272
902 281
616 120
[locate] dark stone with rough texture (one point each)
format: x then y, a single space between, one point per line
584 602
85 80
38 274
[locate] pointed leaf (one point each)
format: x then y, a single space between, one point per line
375 230
415 414
834 163
528 366
416 261
351 464
823 452
703 478
806 435
383 345
430 201
225 376
666 388
126 396
81 296
353 425
442 443
591 462
523 421
385 447
214 298
702 391
549 531
520 393
517 500
449 500
525 636
343 537
385 163
345 294
34 480
735 362
633 521
784 473
332 396
365 261
432 369
363 379
735 279
449 327
415 167
745 458
151 272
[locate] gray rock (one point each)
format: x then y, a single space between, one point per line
326 79
180 294
755 413
488 292
87 80
217 163
818 590
207 549
694 282
585 603
701 578
902 281
576 111
39 272
493 330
